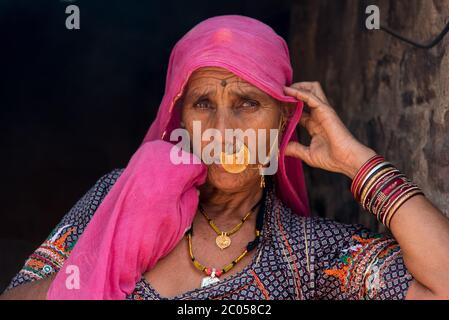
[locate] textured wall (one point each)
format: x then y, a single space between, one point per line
392 96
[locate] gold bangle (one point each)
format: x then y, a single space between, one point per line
386 180
404 190
380 213
372 182
368 175
393 211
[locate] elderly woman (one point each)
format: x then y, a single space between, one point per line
159 230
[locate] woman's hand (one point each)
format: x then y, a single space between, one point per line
332 147
418 226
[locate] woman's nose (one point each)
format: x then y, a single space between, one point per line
222 121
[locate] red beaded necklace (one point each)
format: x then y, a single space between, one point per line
212 274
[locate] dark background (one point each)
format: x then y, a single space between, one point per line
74 104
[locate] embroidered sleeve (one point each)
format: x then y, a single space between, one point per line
51 254
354 263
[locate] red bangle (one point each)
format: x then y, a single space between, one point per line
380 188
385 194
361 171
361 174
391 200
367 203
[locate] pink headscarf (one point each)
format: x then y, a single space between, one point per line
254 52
153 202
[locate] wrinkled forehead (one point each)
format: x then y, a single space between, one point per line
213 74
205 78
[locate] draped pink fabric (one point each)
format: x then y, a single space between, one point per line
153 202
141 219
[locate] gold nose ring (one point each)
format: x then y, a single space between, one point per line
236 162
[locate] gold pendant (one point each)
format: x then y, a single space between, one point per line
223 241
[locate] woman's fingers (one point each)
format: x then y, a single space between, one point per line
307 96
305 117
307 122
297 150
314 87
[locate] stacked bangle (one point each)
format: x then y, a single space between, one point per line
381 188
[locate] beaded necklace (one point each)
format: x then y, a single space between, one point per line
223 240
212 274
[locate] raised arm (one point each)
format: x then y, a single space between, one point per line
421 230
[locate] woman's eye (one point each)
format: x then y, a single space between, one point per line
250 104
202 104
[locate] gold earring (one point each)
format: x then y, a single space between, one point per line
262 177
282 124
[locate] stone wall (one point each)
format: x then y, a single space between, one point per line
392 96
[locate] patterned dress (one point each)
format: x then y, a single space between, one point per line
297 258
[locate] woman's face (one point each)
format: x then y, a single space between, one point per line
218 99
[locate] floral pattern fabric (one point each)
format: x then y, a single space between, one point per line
298 258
